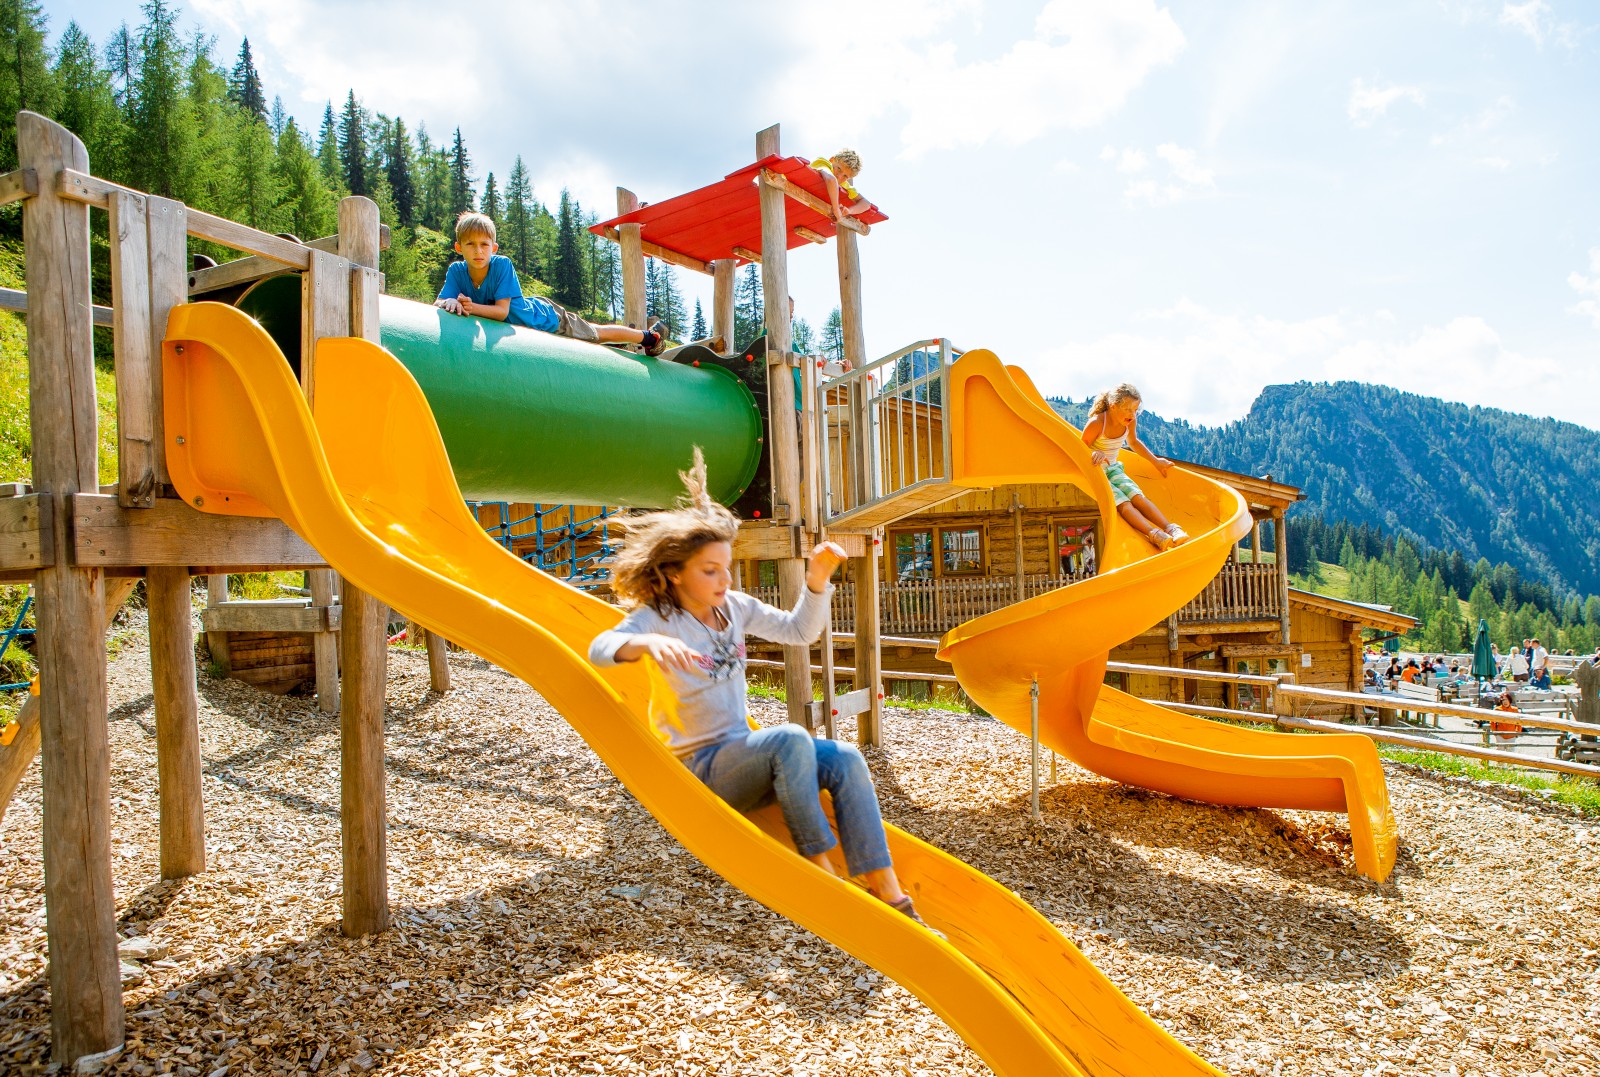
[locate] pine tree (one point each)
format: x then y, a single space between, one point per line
672 310
490 206
401 188
652 288
279 118
698 331
567 270
747 305
833 336
26 81
328 150
122 53
258 184
244 84
162 121
802 338
88 102
311 210
353 146
462 195
518 232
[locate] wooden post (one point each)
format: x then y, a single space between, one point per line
183 818
438 662
86 1015
325 298
130 299
863 570
217 642
1280 557
722 271
787 495
1018 566
631 246
168 222
1255 541
362 647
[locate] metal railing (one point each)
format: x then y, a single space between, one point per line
894 406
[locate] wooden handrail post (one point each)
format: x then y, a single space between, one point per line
630 244
362 647
86 1015
1280 555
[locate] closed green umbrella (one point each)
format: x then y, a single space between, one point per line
1483 666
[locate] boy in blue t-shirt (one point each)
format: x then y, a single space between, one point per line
484 284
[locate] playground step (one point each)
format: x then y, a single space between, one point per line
898 505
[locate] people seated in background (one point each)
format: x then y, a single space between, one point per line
1392 674
1439 668
1455 669
1371 678
1540 679
1411 673
1506 730
484 285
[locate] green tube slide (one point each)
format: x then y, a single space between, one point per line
527 416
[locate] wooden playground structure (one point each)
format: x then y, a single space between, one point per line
84 547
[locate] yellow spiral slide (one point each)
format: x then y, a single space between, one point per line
366 482
1003 432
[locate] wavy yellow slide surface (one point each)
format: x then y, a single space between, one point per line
1004 432
367 483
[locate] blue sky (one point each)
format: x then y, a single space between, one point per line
1201 198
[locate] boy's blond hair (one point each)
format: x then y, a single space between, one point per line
660 542
475 224
850 159
1112 397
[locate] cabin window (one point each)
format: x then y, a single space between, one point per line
766 573
961 550
913 555
1075 551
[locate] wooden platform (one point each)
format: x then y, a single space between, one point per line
899 505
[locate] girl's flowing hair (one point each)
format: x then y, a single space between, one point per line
659 542
1112 397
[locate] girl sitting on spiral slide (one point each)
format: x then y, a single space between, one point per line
1110 429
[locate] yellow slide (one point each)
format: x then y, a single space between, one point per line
1003 432
367 483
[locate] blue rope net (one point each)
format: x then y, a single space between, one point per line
556 539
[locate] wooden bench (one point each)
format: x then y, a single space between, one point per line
1414 692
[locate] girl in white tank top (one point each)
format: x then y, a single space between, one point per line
1110 429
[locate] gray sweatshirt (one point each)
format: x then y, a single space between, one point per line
708 705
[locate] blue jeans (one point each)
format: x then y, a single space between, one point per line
789 765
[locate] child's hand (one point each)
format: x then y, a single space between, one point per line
453 306
1100 458
468 306
824 559
1163 465
670 653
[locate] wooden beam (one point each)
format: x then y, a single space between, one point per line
363 647
16 757
868 642
16 300
26 532
808 235
133 340
86 1015
17 185
253 267
781 182
94 191
748 255
632 253
106 535
438 661
217 642
177 704
666 254
1280 556
269 616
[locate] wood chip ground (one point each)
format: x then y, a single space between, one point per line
545 924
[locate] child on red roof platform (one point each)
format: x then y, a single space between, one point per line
837 172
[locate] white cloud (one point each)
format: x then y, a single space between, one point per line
1588 289
1531 18
1370 103
1186 178
1208 367
1075 68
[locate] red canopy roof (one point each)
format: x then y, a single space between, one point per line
709 223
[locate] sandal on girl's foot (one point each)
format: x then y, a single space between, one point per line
906 906
1179 535
1159 538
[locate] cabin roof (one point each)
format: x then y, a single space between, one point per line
1261 491
722 219
1366 614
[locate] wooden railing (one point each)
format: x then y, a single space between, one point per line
1241 592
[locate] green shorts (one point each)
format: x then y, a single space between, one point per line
1123 489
